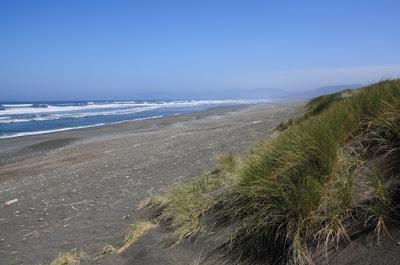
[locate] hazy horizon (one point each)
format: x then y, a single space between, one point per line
245 94
93 50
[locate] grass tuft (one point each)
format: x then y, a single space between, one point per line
136 231
108 249
66 259
183 206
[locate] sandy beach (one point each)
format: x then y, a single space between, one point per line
78 189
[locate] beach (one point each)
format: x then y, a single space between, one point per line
77 190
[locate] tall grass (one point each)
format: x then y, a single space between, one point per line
66 259
292 197
184 205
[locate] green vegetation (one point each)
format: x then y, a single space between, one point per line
66 259
315 106
183 206
135 231
330 176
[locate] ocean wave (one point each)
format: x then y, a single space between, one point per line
54 112
13 135
55 108
39 106
74 115
16 105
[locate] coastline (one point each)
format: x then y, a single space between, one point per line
12 148
77 189
111 128
49 117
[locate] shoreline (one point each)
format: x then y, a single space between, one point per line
78 189
137 124
49 107
32 133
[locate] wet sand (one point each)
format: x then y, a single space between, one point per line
78 189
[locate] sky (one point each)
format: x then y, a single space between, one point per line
71 50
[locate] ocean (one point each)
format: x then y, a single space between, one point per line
25 118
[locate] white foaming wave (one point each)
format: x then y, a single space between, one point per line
106 109
76 115
72 128
14 121
25 109
16 105
48 131
55 108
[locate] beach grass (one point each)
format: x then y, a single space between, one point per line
184 204
132 234
135 231
66 259
329 176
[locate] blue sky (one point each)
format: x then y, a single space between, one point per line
55 50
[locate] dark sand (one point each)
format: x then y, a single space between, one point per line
78 189
367 250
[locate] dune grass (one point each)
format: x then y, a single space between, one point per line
315 106
330 176
136 231
66 259
183 206
295 191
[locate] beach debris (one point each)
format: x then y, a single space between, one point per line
255 122
40 219
125 216
66 225
9 203
33 233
